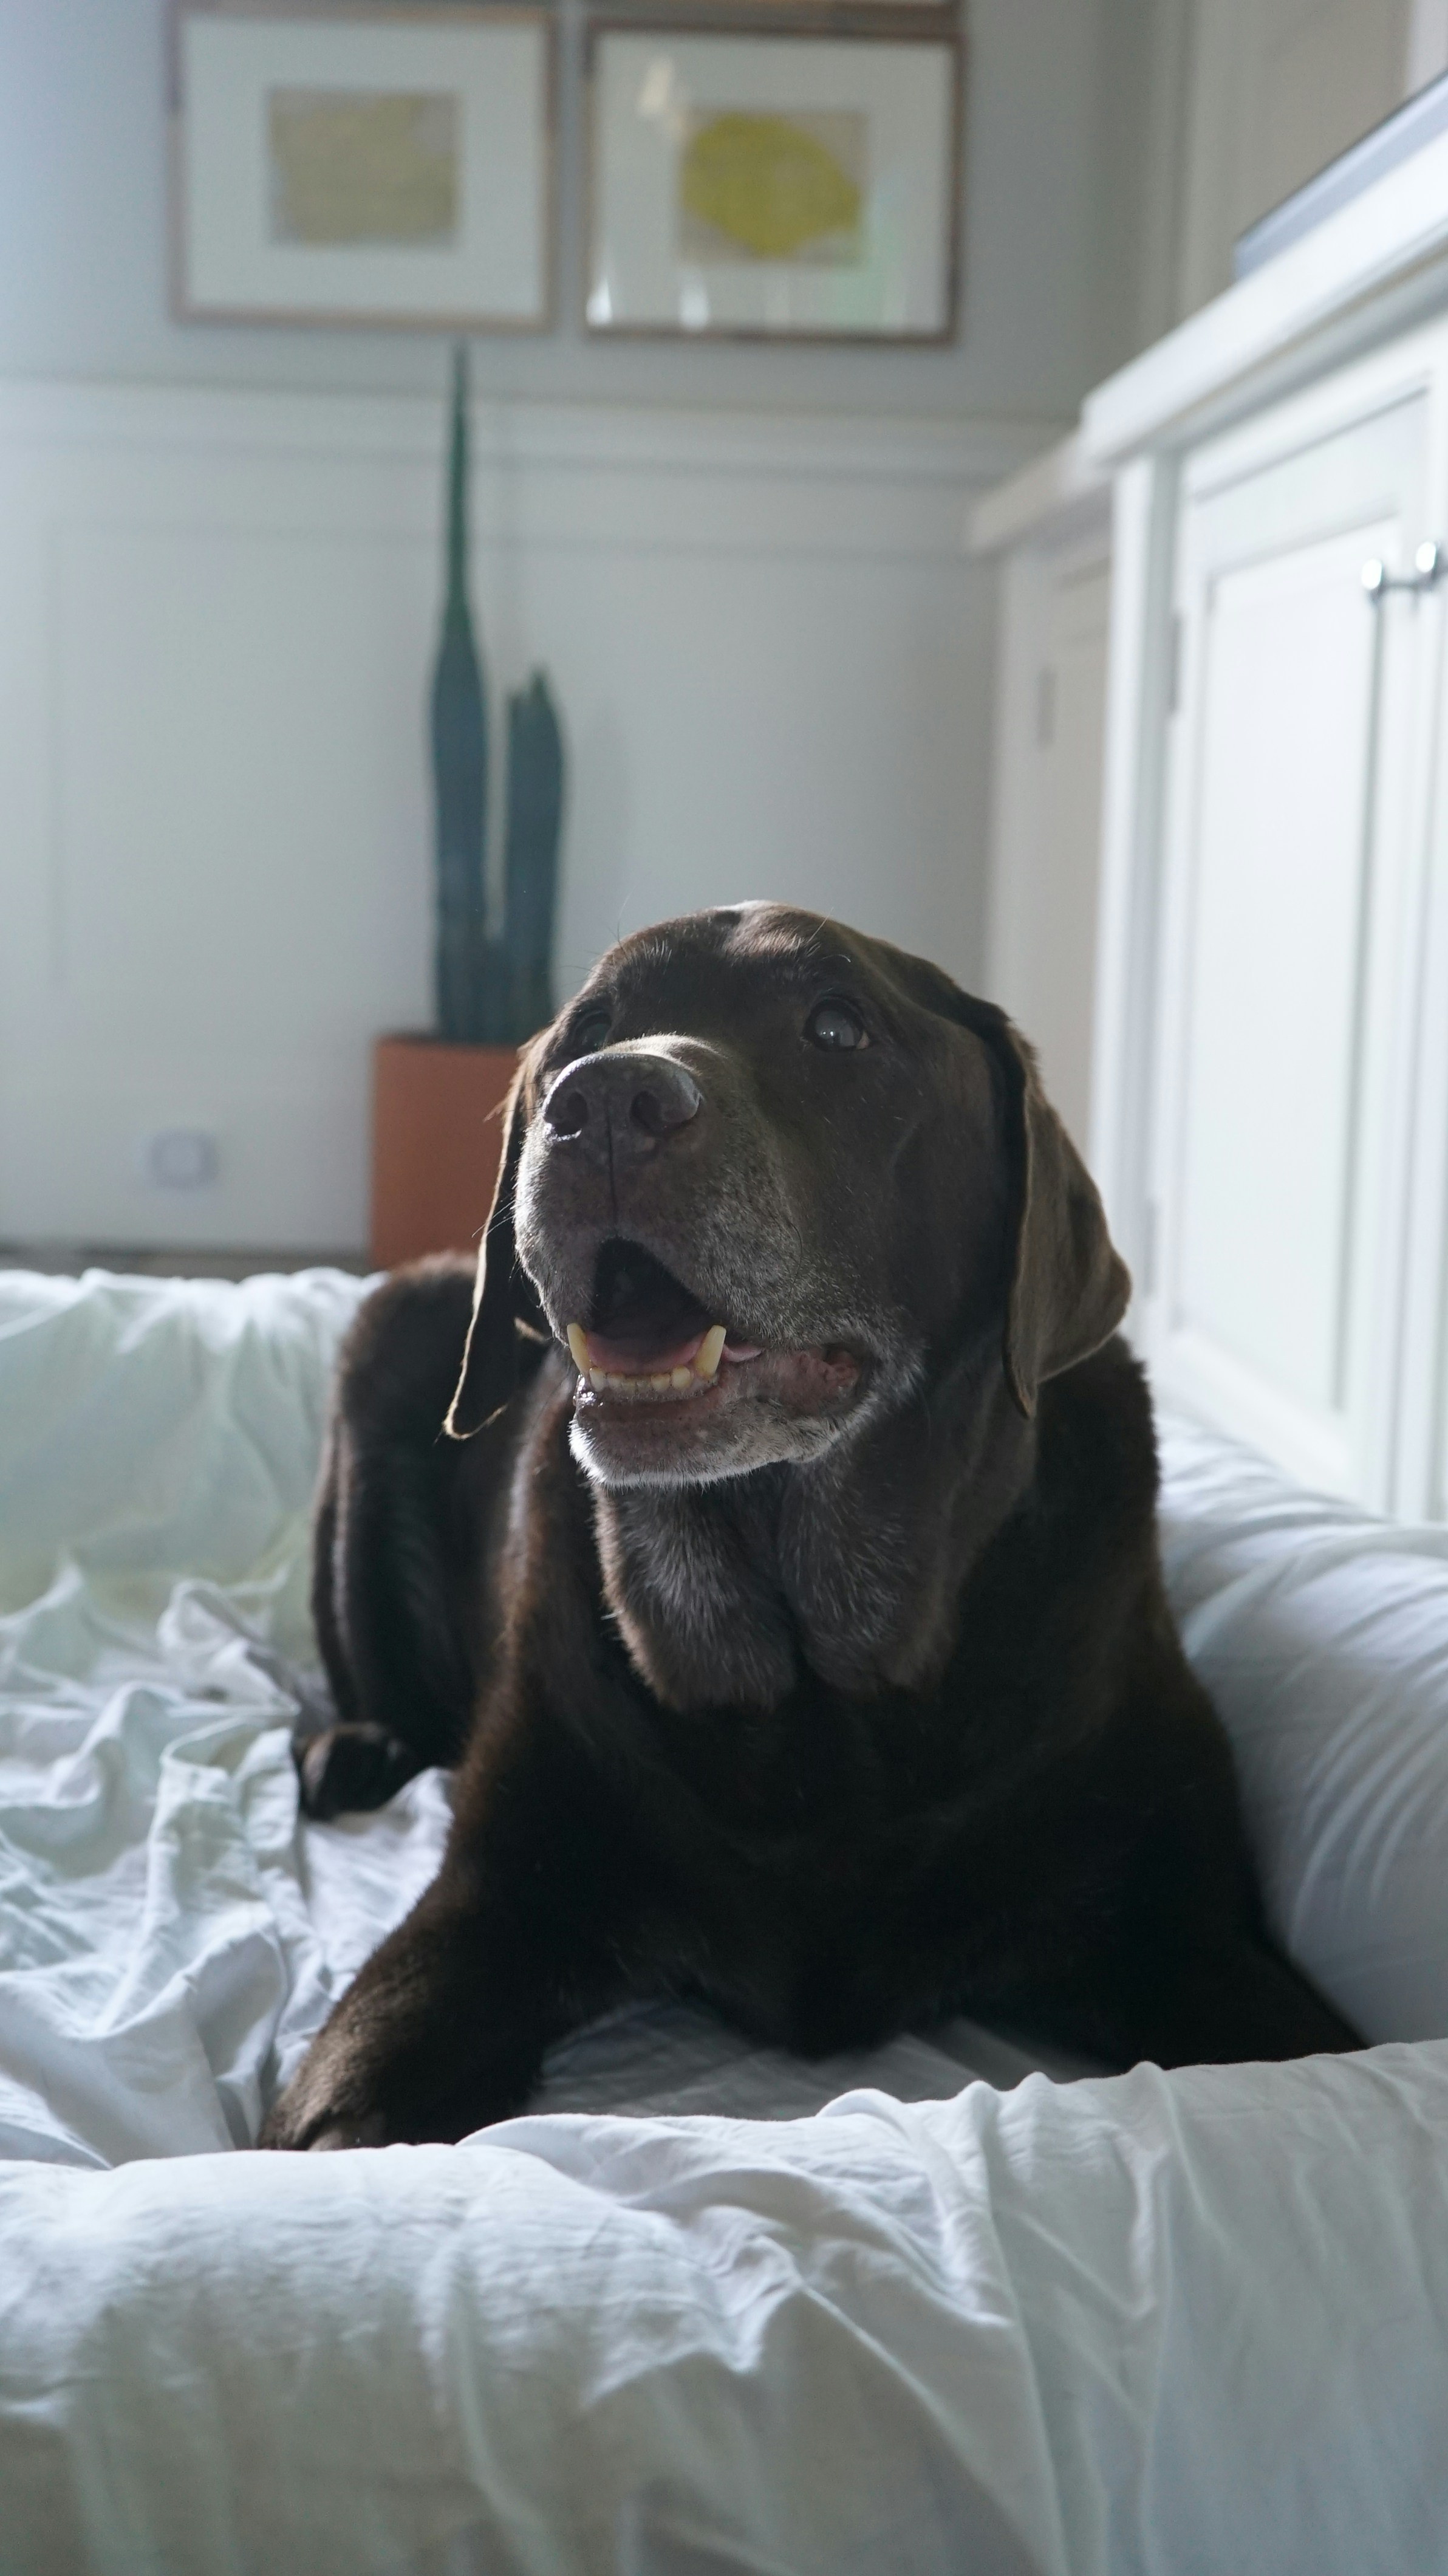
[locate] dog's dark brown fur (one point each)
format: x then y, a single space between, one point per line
844 1696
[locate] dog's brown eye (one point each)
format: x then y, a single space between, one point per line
590 1031
834 1024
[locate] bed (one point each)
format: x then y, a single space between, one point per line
953 2305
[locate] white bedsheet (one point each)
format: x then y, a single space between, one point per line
1180 2323
1190 2324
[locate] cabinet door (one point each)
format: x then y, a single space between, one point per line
1047 830
1287 1006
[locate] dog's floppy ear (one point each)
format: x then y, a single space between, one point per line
1069 1287
502 1299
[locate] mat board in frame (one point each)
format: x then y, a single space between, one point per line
373 166
748 181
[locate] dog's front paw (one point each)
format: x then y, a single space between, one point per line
324 2105
418 2050
290 2129
371 2132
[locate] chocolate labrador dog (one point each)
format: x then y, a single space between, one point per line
785 1580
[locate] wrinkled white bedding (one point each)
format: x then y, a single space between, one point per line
169 1939
1179 2323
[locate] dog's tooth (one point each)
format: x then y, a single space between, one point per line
661 1382
709 1352
578 1345
598 1380
680 1377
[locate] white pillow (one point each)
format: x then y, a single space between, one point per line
1322 1635
154 1428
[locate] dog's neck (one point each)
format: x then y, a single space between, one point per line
851 1568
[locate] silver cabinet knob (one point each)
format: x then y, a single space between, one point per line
1428 568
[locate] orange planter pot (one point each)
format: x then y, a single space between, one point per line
437 1141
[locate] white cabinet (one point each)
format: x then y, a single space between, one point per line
1294 887
1266 1036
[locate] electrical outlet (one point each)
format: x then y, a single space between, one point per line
179 1158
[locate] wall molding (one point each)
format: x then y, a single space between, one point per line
882 446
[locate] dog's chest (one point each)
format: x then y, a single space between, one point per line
812 1865
816 1959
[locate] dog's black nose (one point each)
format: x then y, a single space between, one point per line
637 1099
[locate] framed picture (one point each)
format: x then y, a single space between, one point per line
362 164
812 17
759 185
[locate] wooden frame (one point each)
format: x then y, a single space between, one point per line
458 24
895 25
936 18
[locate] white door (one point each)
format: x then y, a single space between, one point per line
1048 830
1290 993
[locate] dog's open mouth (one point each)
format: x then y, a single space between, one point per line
650 1339
650 1342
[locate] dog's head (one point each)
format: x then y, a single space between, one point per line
764 1177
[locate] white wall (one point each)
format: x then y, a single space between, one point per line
771 650
744 567
1252 98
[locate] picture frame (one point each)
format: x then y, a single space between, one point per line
802 17
748 181
347 163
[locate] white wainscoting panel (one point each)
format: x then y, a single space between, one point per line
217 615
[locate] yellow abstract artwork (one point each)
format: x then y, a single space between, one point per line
363 166
772 187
